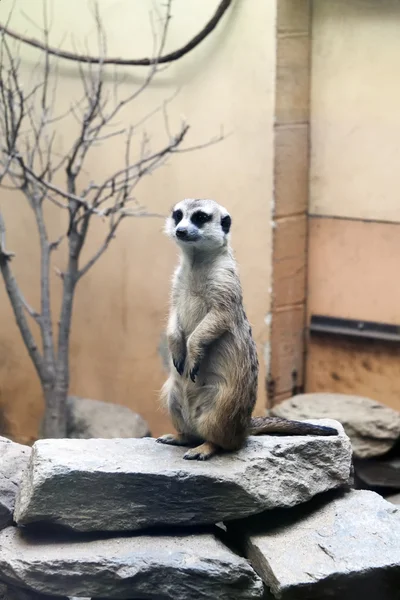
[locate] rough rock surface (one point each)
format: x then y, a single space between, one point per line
372 427
343 548
179 567
13 460
120 485
94 419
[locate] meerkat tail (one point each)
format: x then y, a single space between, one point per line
265 425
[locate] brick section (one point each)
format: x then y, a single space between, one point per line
291 170
294 16
289 261
291 173
292 78
287 357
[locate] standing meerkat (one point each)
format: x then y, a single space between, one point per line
212 387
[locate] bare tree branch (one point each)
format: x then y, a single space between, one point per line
18 303
133 62
45 321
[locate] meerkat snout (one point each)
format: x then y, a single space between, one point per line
182 233
202 224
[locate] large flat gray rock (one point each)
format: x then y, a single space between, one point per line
13 460
120 485
180 567
372 427
345 548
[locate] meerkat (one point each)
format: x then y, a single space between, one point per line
212 387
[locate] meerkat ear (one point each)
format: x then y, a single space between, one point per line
226 223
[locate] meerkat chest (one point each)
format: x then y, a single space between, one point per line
192 302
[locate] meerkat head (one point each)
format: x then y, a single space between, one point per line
201 224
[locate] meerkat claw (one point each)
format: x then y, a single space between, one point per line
179 366
196 456
173 440
165 439
193 373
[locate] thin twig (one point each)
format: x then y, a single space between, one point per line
102 248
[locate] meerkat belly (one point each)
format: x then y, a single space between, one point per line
219 380
226 362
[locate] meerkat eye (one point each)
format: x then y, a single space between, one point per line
200 217
226 223
177 216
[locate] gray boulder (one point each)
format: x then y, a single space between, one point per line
178 567
372 427
13 460
95 419
120 485
342 548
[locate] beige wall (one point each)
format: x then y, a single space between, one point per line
355 152
354 229
355 99
121 306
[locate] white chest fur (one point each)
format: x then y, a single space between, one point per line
191 299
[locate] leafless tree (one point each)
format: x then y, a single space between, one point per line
29 164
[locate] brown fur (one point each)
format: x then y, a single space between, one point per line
212 387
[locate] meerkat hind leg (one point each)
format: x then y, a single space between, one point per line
202 452
178 439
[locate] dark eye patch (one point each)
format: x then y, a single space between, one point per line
199 218
177 216
226 223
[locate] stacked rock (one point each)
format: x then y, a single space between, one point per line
373 429
130 519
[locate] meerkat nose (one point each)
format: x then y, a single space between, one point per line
181 233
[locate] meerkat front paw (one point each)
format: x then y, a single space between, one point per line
177 348
194 357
